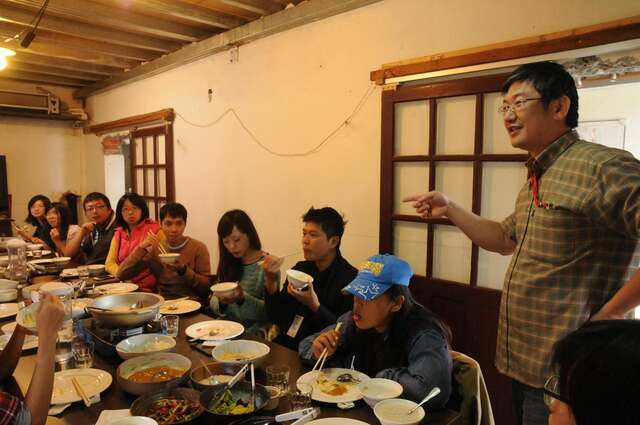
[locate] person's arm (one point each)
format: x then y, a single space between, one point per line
626 299
336 343
281 307
111 263
72 245
199 276
429 366
137 261
485 233
11 354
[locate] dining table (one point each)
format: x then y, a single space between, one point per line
114 398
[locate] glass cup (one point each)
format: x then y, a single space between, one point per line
278 376
169 324
300 398
82 353
83 271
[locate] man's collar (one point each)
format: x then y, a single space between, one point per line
110 221
552 152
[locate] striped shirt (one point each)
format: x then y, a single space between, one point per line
573 252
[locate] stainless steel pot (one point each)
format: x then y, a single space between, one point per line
126 310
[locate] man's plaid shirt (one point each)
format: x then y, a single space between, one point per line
572 253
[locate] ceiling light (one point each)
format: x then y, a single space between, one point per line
6 52
3 63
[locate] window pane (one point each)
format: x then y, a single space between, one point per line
162 182
451 254
139 180
152 209
161 149
137 142
455 179
410 178
456 119
491 268
495 136
411 128
149 191
410 244
149 146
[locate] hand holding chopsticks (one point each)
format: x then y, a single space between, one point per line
323 340
153 240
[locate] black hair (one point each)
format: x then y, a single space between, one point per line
229 267
552 81
96 196
137 201
30 218
330 220
64 219
599 372
173 209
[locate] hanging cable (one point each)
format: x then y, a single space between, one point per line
29 36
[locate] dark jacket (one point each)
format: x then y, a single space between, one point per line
95 245
282 307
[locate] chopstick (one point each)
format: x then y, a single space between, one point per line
160 247
80 391
323 355
206 366
253 389
169 302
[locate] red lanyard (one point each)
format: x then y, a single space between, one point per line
536 197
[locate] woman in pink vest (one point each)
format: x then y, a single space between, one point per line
132 214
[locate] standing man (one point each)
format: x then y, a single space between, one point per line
98 230
573 234
302 312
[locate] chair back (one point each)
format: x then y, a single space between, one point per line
469 386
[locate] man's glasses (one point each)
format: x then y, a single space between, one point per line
518 105
91 208
552 391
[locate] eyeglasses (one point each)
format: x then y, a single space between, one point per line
518 105
95 207
552 391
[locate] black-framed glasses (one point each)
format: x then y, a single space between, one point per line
552 391
518 105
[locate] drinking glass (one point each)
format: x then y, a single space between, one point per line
300 398
278 376
169 324
82 353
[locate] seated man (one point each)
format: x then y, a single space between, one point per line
301 312
189 275
388 334
98 230
35 407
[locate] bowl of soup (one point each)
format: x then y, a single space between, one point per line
298 279
169 257
140 345
395 411
224 289
241 351
153 372
213 374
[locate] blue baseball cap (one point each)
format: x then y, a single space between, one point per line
376 276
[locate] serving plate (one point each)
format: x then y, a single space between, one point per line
92 381
352 393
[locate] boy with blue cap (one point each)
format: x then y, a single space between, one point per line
388 334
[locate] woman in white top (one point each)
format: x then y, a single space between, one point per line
66 237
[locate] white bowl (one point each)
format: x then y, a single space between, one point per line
224 288
274 398
8 295
4 260
27 317
298 279
241 351
140 345
34 246
377 389
8 284
394 412
169 257
135 420
131 366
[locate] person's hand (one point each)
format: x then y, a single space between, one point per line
306 296
22 329
55 235
177 266
50 316
22 232
87 228
236 296
150 241
328 340
430 204
38 240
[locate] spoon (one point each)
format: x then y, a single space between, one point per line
434 392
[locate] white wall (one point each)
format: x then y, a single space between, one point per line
293 88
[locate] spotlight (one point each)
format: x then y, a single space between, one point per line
3 63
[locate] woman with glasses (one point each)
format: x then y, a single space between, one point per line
598 375
35 217
66 237
132 215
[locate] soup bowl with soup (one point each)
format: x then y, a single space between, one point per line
153 372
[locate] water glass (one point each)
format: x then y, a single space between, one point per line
278 376
169 324
300 398
83 354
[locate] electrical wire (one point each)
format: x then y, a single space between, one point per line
311 151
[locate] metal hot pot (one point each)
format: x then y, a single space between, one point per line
125 310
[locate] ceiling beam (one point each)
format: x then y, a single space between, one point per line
16 65
34 77
90 31
302 14
117 18
261 7
68 64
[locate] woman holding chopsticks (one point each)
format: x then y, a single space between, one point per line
132 215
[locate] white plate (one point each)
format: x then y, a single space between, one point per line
181 307
92 381
69 273
226 329
30 341
115 288
336 421
8 310
54 260
9 327
352 394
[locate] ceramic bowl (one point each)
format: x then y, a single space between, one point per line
141 345
394 412
135 420
378 389
298 279
215 373
224 289
7 295
8 284
169 257
137 364
242 351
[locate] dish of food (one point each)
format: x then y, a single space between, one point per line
115 288
92 381
173 409
327 389
214 330
179 307
8 310
232 406
234 357
156 374
215 379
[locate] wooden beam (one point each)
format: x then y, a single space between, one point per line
577 38
16 65
89 31
132 122
34 77
68 64
286 19
117 18
261 7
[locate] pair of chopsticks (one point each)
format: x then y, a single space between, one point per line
160 247
177 300
323 355
80 391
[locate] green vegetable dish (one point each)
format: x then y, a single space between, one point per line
229 406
